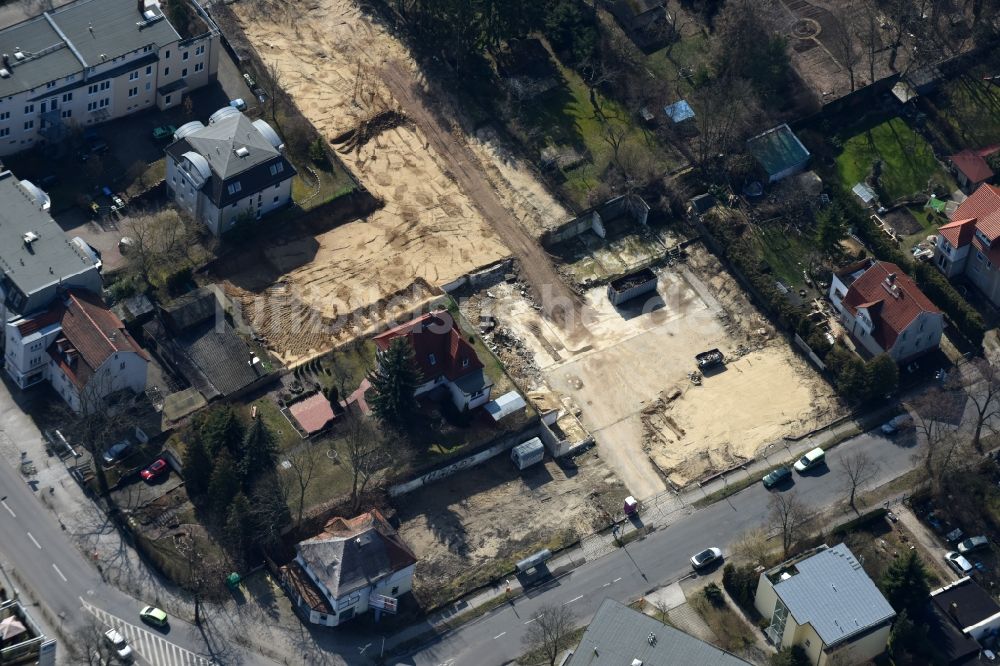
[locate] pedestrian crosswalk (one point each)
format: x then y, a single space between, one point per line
155 650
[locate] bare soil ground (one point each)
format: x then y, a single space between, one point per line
630 379
452 203
473 527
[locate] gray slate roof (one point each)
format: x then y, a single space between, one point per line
347 563
218 141
834 594
621 634
60 42
49 258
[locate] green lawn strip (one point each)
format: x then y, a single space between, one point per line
284 434
908 161
690 54
784 251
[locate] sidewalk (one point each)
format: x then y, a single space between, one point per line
657 512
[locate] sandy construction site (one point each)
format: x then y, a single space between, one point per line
630 382
476 524
352 80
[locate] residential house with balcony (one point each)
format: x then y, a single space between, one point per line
91 61
229 170
445 359
884 311
825 603
968 245
354 565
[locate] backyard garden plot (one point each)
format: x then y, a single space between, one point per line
902 159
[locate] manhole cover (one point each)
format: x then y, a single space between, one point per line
805 28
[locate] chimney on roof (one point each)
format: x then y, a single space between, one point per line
953 610
891 278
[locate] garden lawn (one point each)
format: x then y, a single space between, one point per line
785 251
908 162
972 108
566 117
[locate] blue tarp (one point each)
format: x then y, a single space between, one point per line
679 111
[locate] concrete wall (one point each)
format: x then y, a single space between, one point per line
859 651
505 444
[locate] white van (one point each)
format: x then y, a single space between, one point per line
810 460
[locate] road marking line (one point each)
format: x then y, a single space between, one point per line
9 510
573 599
499 635
34 541
616 580
606 584
65 580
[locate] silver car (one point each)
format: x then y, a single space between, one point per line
705 558
118 642
959 563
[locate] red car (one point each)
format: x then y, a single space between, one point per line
156 469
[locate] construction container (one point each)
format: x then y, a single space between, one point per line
528 453
631 286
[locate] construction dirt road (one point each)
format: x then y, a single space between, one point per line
452 203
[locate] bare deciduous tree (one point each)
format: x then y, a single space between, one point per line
980 382
549 631
90 646
844 42
367 456
752 546
157 239
302 465
859 469
787 515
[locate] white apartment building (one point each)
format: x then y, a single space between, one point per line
91 61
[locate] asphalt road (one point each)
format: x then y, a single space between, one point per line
38 552
662 557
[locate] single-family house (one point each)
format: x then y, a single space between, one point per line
884 311
620 635
779 153
444 357
91 61
352 566
825 603
193 338
971 168
79 346
229 170
969 245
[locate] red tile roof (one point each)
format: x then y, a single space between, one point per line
958 232
972 164
313 413
37 323
91 332
891 310
438 346
984 207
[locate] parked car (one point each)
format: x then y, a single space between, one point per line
810 460
893 425
118 642
705 558
117 451
973 544
776 476
153 615
164 132
238 104
959 563
155 470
